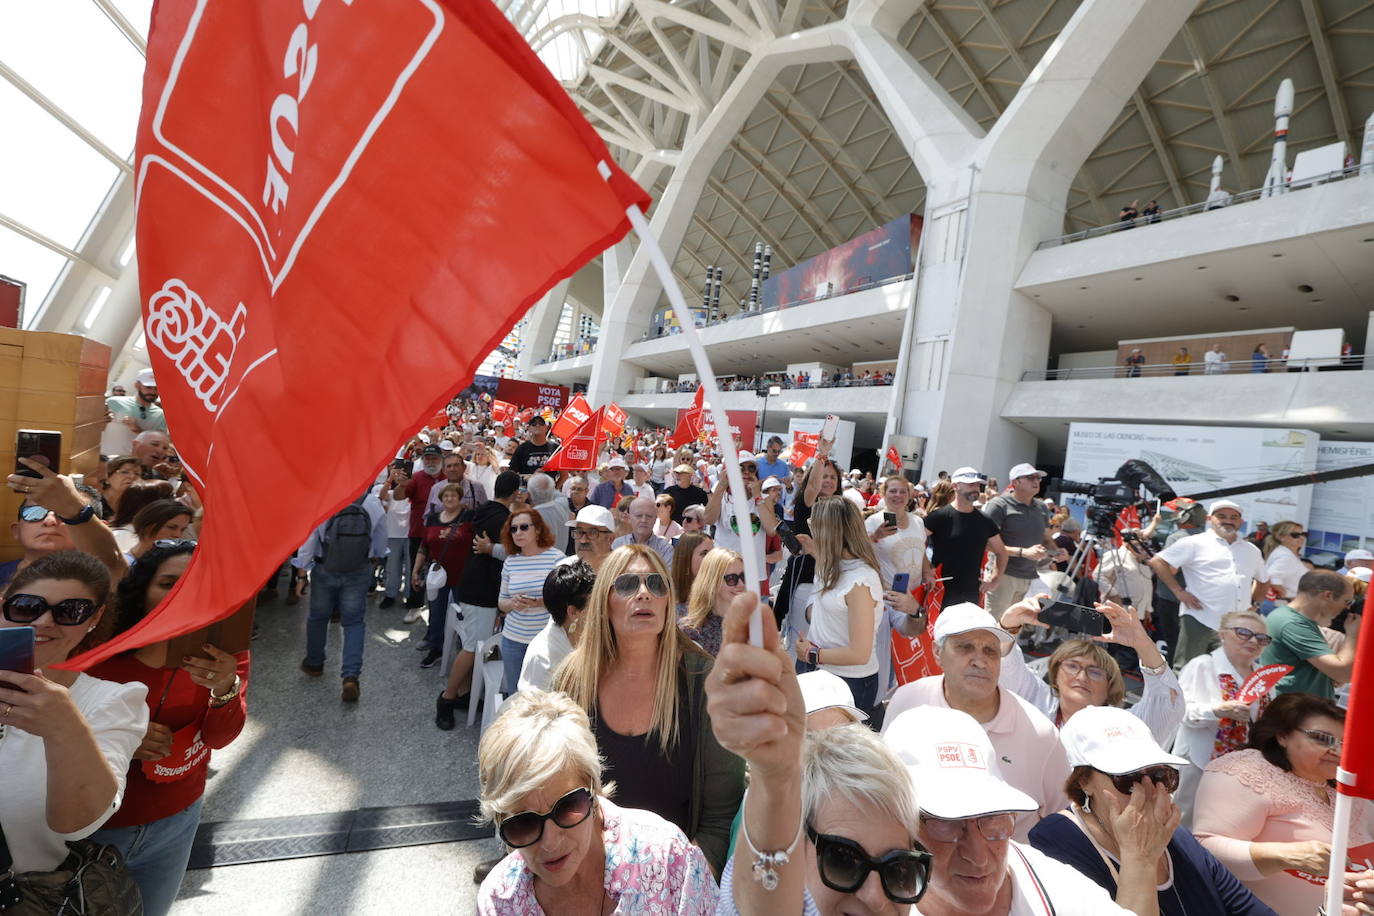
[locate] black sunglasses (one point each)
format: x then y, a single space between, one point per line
523 526
733 579
844 867
1244 633
32 513
526 828
1162 775
68 612
174 542
627 585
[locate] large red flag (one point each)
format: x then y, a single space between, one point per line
690 425
1356 775
573 416
580 450
335 200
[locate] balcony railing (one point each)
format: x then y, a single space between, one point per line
1228 367
733 383
1241 197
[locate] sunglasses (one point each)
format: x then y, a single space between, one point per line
1325 739
33 513
1074 669
527 828
174 542
523 526
733 579
627 585
1161 775
1244 634
995 828
588 532
844 867
1296 534
68 612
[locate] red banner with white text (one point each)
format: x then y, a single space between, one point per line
330 195
573 416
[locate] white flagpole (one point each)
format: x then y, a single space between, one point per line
753 563
1340 835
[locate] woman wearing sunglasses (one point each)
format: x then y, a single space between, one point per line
530 557
196 707
1216 722
65 738
1122 830
573 850
1283 567
720 579
641 682
1266 812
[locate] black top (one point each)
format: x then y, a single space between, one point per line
481 581
686 496
957 541
529 457
644 776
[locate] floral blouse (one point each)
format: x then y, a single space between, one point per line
652 869
708 635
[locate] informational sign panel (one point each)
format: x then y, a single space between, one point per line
1342 515
1196 459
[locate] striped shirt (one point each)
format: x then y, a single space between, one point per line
522 575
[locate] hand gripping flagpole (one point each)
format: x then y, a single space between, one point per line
753 563
1353 776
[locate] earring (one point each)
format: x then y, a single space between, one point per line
90 628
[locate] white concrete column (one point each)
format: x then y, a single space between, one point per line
543 325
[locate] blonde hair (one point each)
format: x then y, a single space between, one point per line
536 737
1082 648
701 600
1230 617
579 676
852 763
838 528
1274 537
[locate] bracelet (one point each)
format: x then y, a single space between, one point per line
766 864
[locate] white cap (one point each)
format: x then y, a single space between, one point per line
1224 504
1112 740
617 462
423 437
950 759
145 378
770 483
855 472
446 445
746 456
966 475
965 618
1359 553
596 516
1362 573
1025 470
824 690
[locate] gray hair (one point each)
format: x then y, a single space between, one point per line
1070 524
542 489
149 434
536 737
851 764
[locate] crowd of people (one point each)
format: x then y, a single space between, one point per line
840 378
646 758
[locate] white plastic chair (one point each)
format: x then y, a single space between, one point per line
493 672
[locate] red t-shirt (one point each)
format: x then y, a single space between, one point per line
183 704
417 489
449 545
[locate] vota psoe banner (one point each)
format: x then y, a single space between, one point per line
531 394
882 254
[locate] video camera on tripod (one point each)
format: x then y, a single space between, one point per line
1110 495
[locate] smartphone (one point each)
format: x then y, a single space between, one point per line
789 538
830 427
1073 617
41 445
901 582
890 519
16 649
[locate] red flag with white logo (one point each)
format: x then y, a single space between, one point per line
615 419
894 458
574 415
804 447
501 411
689 427
331 194
580 450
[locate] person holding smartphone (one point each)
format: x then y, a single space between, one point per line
899 542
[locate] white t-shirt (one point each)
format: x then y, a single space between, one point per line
726 534
118 716
903 552
398 518
1283 570
1219 573
546 652
830 615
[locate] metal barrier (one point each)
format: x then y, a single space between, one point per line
1243 366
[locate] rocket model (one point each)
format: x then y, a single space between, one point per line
706 290
767 260
715 294
1216 197
1367 151
754 283
1275 181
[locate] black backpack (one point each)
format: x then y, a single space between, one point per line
347 539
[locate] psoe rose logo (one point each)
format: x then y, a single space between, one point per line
195 338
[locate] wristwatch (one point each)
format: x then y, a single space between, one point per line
216 702
1155 672
813 656
85 515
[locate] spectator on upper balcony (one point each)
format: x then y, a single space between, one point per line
1134 362
1259 360
1129 214
1214 361
1151 212
1182 361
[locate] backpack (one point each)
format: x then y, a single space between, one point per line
348 539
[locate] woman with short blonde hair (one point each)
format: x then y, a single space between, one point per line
542 786
641 682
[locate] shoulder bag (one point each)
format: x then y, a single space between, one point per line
91 881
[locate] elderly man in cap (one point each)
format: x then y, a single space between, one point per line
1024 522
609 491
958 536
969 645
1225 573
684 492
643 514
416 489
1359 558
593 530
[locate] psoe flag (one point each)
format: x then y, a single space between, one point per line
343 206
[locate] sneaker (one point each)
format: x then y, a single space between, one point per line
312 670
443 713
431 658
412 615
386 602
423 646
350 690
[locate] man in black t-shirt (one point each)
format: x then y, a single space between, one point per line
959 534
684 492
531 454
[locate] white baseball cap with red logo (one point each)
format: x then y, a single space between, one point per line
952 764
1112 740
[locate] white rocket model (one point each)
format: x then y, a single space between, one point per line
1216 197
1276 181
1367 151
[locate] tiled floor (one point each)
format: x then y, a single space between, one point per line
305 752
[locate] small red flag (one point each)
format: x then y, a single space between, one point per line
574 415
273 220
804 447
689 427
580 450
615 419
894 458
502 411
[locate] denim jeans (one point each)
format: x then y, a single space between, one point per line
347 592
512 658
157 854
398 567
438 613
